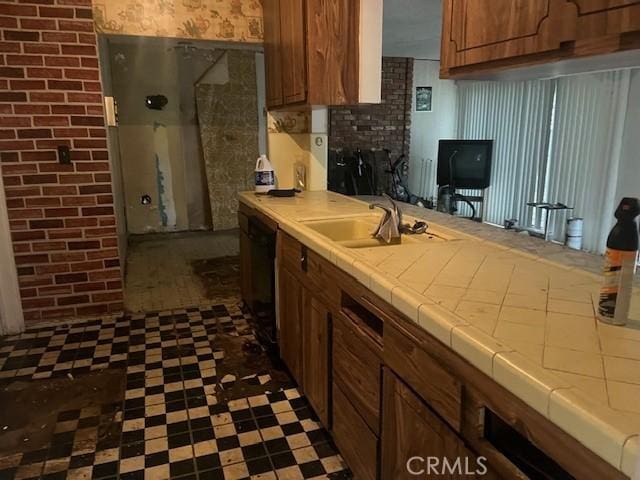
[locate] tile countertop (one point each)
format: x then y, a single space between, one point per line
519 309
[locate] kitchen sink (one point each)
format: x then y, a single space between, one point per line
356 232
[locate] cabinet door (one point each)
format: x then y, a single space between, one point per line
477 31
272 54
416 442
290 311
604 18
315 332
293 51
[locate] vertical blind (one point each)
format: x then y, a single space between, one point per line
556 140
516 116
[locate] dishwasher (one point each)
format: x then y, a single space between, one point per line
262 296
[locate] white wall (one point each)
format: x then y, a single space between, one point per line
429 127
629 170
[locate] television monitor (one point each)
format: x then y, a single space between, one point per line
466 163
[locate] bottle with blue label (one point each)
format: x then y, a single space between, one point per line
265 176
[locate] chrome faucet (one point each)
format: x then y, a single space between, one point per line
390 227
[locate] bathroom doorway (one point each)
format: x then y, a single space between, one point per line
187 129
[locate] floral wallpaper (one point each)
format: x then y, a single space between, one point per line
224 20
289 122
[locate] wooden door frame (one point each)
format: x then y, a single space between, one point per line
11 316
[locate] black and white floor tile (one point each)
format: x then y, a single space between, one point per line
171 423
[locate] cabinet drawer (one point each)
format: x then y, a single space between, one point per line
357 369
437 387
357 444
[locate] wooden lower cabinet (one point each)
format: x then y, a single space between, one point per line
416 443
316 328
356 442
291 293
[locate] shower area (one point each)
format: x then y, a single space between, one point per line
187 129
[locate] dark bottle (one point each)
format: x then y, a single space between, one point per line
619 266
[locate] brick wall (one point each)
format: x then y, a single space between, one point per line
61 216
387 125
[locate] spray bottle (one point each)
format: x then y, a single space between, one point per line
619 265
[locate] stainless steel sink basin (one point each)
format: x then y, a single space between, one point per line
356 232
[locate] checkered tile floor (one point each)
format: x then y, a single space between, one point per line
170 423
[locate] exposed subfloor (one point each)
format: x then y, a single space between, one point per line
163 269
181 394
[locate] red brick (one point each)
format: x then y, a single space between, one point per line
25 213
48 246
65 233
44 48
44 72
99 133
12 145
93 167
93 310
22 192
92 87
64 85
24 60
49 269
31 109
31 259
87 121
59 37
84 97
21 248
78 201
87 50
46 224
13 97
90 62
39 179
37 24
106 297
19 168
73 300
89 287
80 155
82 143
97 211
87 39
104 253
21 35
46 97
87 266
60 190
55 290
11 72
109 242
84 13
105 275
80 222
7 134
105 199
95 110
9 47
79 277
92 189
54 12
28 235
68 257
15 203
59 61
37 303
18 10
55 168
43 202
76 26
8 22
71 132
50 121
55 313
60 212
35 133
36 281
82 74
28 292
68 109
15 122
51 144
38 156
76 178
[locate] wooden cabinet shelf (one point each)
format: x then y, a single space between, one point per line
322 52
482 37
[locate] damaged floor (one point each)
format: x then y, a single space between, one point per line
171 270
181 394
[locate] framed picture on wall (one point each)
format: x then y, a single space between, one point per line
423 99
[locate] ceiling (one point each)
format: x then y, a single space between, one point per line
412 28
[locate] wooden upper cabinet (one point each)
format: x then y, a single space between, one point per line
485 36
293 48
323 52
273 59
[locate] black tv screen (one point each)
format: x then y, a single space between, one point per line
470 162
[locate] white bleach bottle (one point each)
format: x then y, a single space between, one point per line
265 176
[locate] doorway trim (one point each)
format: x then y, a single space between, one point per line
11 315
